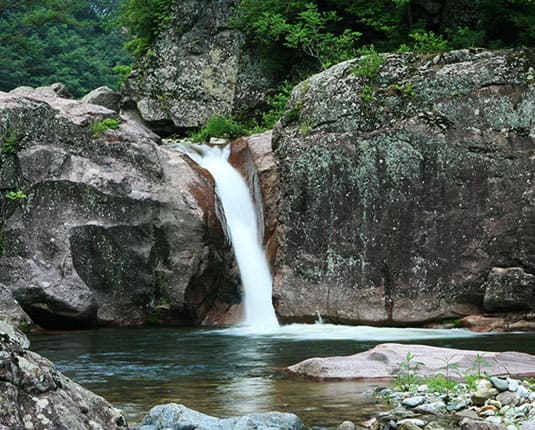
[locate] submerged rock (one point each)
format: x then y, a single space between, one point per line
34 395
177 416
403 192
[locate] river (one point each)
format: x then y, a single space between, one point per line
227 372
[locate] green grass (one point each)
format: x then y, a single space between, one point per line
99 127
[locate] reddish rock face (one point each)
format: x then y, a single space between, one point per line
395 208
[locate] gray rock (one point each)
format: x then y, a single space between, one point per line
347 425
11 311
484 391
500 383
468 424
508 290
528 424
34 395
434 408
379 196
522 391
513 384
198 67
409 425
103 96
177 416
383 360
413 421
113 229
412 402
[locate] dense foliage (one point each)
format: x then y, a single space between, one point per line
60 41
144 19
331 30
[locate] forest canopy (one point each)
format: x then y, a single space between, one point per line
80 42
68 41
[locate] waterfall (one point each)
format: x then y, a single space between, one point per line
242 230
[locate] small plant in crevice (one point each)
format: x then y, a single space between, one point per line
220 127
405 91
9 146
16 195
99 127
367 94
369 64
277 104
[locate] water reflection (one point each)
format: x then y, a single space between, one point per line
243 395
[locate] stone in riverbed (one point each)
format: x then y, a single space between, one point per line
176 416
412 402
484 391
468 424
347 425
508 398
500 383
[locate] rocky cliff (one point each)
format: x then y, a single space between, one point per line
100 225
198 67
407 193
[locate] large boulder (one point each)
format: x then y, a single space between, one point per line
10 310
402 190
198 67
103 96
34 395
100 224
387 360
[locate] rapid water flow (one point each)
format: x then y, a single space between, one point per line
242 229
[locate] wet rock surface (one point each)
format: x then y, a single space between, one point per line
177 416
403 194
34 395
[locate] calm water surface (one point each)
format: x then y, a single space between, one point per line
230 372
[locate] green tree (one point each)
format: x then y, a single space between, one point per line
143 19
75 46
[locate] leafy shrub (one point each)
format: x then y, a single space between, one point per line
369 64
463 37
144 20
277 105
16 195
367 94
10 143
218 126
405 91
428 42
99 127
122 71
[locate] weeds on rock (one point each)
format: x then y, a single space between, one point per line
9 146
99 127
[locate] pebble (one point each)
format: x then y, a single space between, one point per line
500 383
513 384
347 425
412 402
493 420
522 391
430 408
416 421
508 398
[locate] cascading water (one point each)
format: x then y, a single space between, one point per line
242 230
